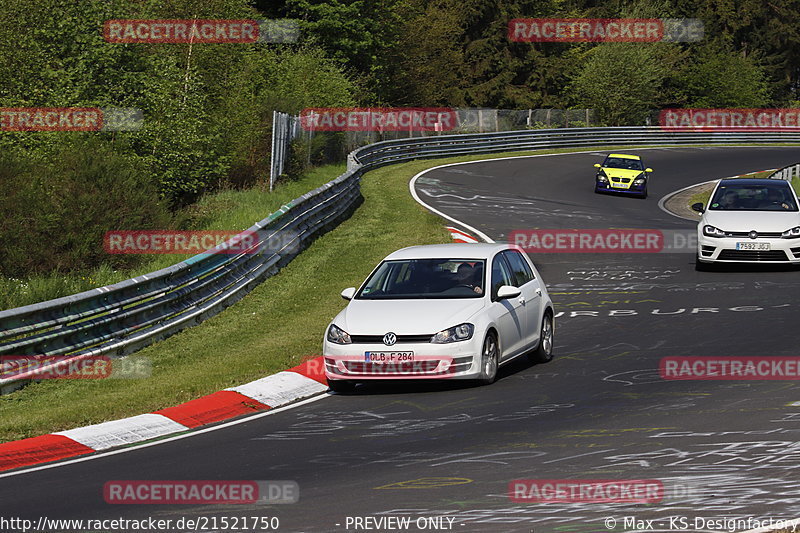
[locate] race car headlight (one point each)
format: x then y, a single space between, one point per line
793 233
601 176
462 332
711 231
638 181
337 335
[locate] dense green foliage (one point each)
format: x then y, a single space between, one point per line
207 108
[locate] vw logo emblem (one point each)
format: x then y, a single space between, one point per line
754 234
389 339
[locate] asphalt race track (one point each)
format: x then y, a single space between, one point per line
599 410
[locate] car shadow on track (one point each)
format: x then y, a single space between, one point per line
749 267
422 386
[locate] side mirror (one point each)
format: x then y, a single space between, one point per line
507 291
648 170
348 293
597 165
698 207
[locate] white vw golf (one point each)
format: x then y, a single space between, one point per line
440 311
749 221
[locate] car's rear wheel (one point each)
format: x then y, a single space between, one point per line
341 385
544 352
490 357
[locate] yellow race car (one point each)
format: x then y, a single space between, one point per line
622 173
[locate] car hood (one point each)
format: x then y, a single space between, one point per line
406 317
763 221
621 173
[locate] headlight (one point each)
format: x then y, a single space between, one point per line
601 176
639 180
337 335
461 332
793 233
711 231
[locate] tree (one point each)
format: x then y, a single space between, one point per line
622 81
720 78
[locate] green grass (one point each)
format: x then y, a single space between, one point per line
276 326
226 210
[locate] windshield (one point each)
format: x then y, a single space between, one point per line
425 278
768 197
621 162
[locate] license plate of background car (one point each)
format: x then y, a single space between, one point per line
760 246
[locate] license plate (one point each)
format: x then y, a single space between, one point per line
619 185
388 357
752 246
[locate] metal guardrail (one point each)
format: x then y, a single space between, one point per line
119 319
786 173
387 152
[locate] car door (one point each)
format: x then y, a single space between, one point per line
531 292
508 314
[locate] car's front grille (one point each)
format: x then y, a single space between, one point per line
401 339
766 234
752 255
621 180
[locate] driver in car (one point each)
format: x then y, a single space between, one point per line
468 276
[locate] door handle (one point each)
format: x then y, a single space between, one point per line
521 300
538 291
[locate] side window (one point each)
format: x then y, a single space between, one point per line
501 274
520 268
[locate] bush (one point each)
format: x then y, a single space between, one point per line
56 211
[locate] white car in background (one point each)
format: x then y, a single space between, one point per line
440 311
749 221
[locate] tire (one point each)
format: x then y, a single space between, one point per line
700 266
490 360
544 352
644 193
341 386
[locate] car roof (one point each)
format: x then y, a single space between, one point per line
449 251
625 156
751 182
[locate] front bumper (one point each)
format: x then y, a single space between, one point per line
723 250
630 189
457 360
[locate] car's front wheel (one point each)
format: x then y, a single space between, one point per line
341 385
700 266
544 352
490 356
